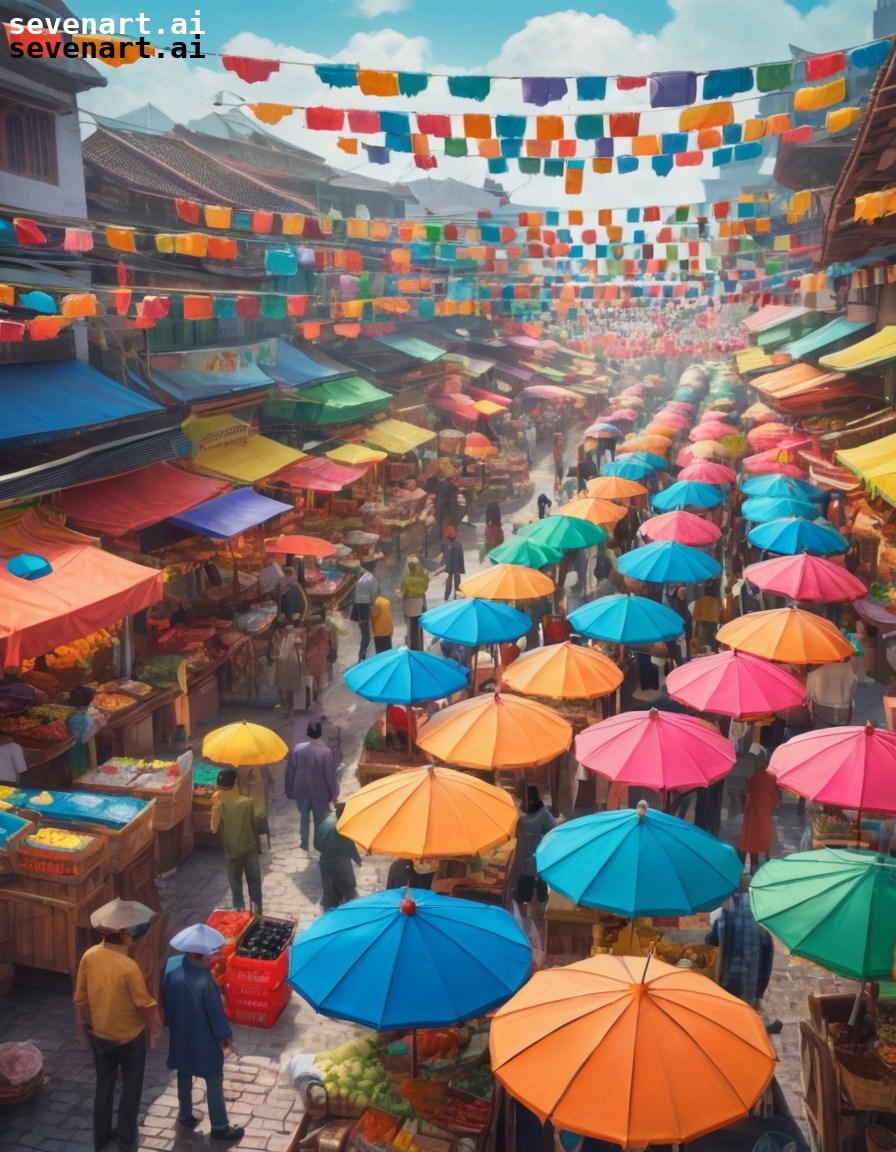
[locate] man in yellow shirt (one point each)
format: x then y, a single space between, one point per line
115 1012
382 625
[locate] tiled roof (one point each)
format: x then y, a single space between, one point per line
165 165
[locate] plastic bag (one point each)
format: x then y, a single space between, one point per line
19 1063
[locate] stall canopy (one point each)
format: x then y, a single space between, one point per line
772 315
87 589
229 515
877 349
414 347
875 464
755 360
44 400
317 474
132 502
355 454
299 370
470 364
835 332
192 386
228 447
794 379
333 402
397 438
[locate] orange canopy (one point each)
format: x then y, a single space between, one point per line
604 513
787 635
615 488
563 672
644 443
427 813
793 380
508 582
668 1054
495 732
88 589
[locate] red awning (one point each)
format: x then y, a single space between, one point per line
134 501
88 589
318 475
458 405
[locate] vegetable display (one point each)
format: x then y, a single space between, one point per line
57 839
266 939
354 1072
446 1107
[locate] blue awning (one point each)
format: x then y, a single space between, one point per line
229 515
96 464
43 400
189 386
835 332
299 370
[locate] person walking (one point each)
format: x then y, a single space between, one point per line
115 1013
447 505
289 655
414 586
311 781
234 815
746 947
365 593
381 624
559 468
494 529
763 797
293 599
544 503
199 1033
453 556
338 856
533 826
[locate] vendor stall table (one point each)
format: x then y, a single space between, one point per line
374 765
137 730
491 883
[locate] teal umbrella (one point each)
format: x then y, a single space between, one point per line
792 535
629 468
836 906
668 562
528 553
686 494
630 620
473 622
405 676
773 484
564 532
765 509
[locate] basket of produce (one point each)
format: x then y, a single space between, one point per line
355 1079
113 703
446 1107
477 1081
135 688
374 1131
58 853
52 686
55 732
21 1072
262 955
231 925
865 1081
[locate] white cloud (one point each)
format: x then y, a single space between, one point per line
388 49
373 8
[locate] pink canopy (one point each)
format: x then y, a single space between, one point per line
682 526
708 472
806 577
735 684
317 474
848 767
712 430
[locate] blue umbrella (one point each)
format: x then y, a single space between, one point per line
631 620
762 509
389 962
601 426
668 562
473 622
686 494
651 459
789 537
404 676
773 484
627 467
638 862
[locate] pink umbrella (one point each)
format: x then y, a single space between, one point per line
735 684
621 414
712 430
767 437
708 472
848 767
633 390
806 577
781 462
658 750
682 406
682 526
672 419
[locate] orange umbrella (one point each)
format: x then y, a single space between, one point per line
479 446
668 1054
495 732
563 672
508 582
787 635
658 428
615 488
604 513
301 546
427 813
658 444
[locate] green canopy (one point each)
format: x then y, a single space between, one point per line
333 402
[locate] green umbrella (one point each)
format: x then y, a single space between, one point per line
836 906
564 532
521 550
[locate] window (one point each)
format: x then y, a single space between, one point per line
28 142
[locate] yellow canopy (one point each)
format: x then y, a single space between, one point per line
488 407
875 350
793 380
874 463
252 460
754 360
355 454
397 437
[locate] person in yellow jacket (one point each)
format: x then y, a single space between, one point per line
413 599
381 624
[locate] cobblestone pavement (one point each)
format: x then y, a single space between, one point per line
58 1118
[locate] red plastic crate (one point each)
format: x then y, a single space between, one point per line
250 998
259 1018
261 973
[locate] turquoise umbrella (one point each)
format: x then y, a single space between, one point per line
764 509
473 622
629 468
793 535
668 562
773 484
405 676
657 463
638 862
686 494
564 532
630 620
528 553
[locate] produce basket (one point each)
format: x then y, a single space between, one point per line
21 1072
67 865
231 925
374 1131
865 1082
248 968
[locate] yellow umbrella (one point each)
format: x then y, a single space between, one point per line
563 672
496 732
488 407
603 513
428 813
615 488
243 744
508 582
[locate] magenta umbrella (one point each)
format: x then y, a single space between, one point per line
621 414
682 526
735 684
805 577
768 463
659 750
847 767
708 472
672 420
712 430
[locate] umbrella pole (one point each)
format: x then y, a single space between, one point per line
413 1053
859 829
474 668
412 730
854 1015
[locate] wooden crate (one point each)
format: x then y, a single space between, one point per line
125 844
75 889
203 837
174 845
51 934
170 807
33 862
133 881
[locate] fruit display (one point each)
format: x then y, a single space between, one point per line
446 1106
17 725
129 687
164 672
476 1081
376 1128
77 653
52 733
44 682
229 924
58 839
112 701
886 1051
355 1073
48 713
266 939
